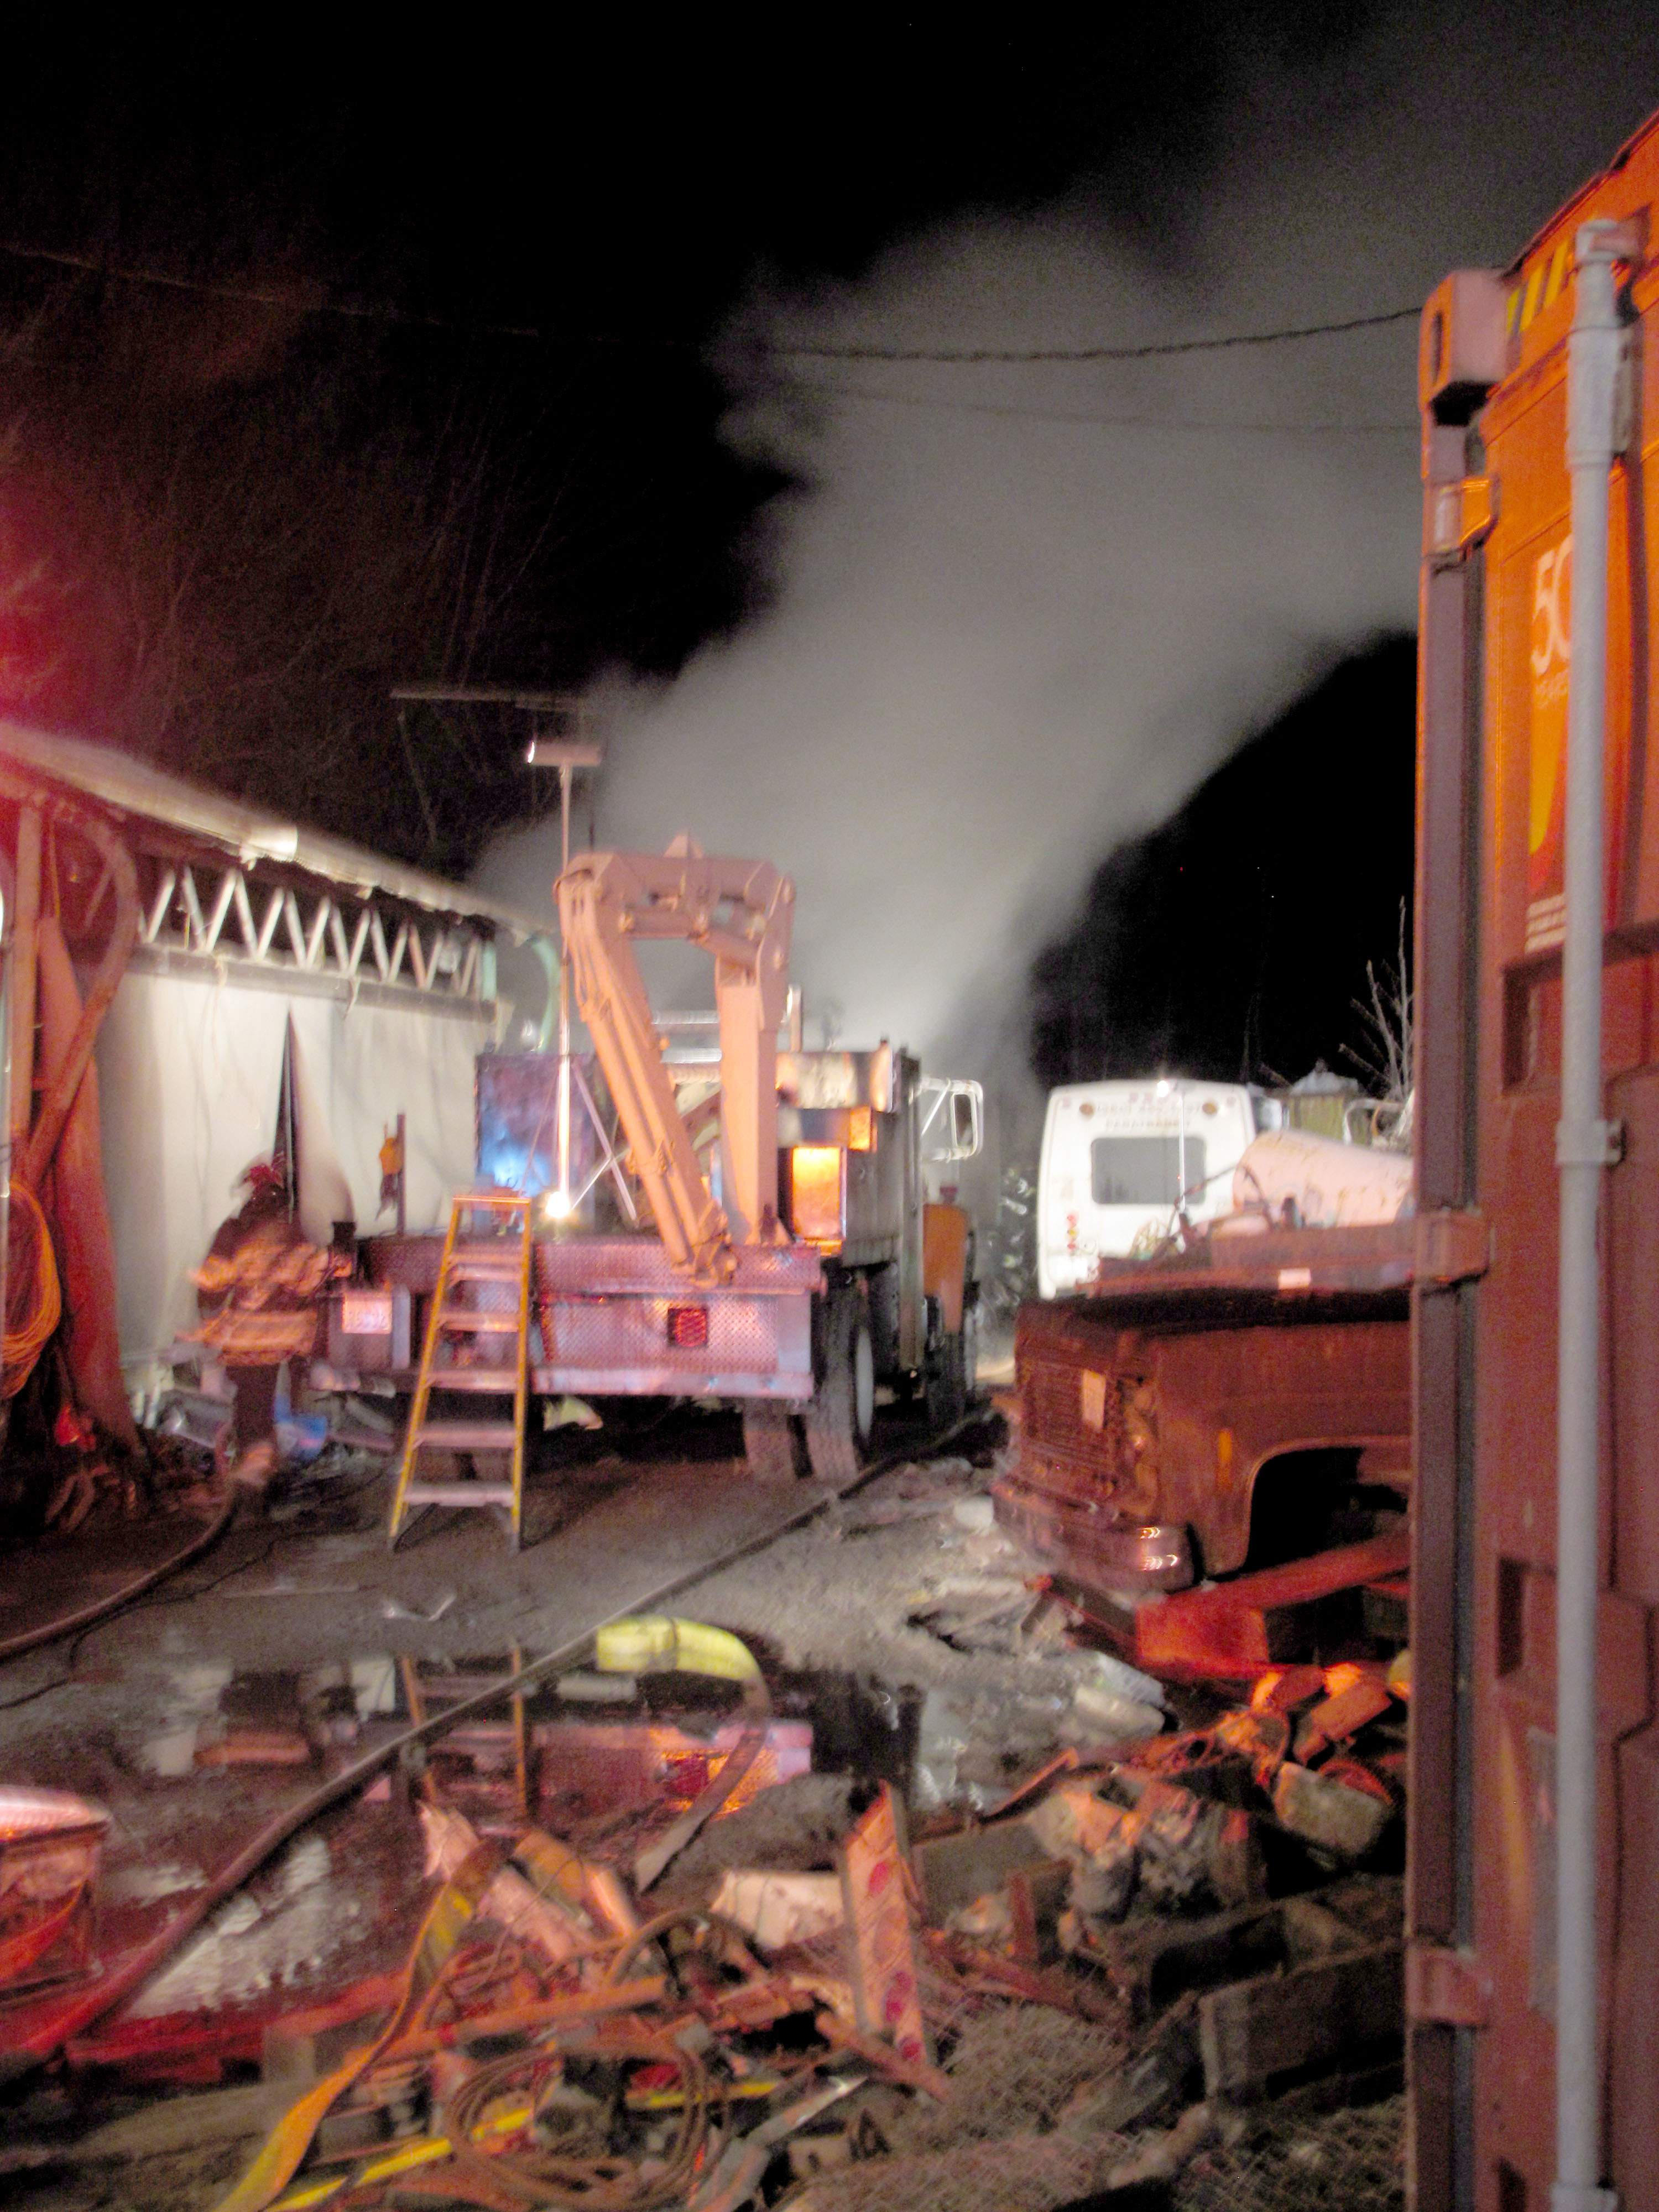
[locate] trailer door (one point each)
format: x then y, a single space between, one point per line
1495 647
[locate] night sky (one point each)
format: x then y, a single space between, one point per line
520 399
1231 942
619 200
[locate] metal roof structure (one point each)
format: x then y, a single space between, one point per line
248 835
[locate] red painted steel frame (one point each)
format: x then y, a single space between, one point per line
1494 608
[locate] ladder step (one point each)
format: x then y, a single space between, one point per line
459 1493
502 1382
466 1435
473 1255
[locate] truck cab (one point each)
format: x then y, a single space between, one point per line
1146 1412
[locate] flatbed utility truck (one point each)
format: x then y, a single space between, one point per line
782 1253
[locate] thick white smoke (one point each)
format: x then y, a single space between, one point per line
1019 611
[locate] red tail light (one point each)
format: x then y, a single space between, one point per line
687 1327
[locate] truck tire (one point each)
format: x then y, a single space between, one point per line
839 1416
768 1441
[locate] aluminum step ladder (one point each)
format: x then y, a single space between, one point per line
501 1260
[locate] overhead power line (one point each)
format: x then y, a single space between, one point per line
1012 412
977 356
299 302
295 302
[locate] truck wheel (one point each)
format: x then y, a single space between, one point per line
769 1441
838 1419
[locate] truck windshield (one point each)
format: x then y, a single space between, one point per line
1143 1171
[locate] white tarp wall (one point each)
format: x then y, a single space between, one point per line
188 1070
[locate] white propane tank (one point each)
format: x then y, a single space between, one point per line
1329 1185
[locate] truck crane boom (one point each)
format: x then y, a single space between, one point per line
739 912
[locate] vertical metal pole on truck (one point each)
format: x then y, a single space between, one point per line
567 756
1585 1146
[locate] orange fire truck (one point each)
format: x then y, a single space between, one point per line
1532 1983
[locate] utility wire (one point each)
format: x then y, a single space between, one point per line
293 303
296 302
1160 349
1153 422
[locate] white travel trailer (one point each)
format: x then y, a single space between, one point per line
1120 1160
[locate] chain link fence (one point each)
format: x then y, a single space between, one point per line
1354 2158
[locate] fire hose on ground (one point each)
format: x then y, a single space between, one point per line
70 1624
73 2018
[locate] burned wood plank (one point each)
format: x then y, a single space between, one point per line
1238 1627
1372 1905
953 1870
159 2130
1151 1960
1338 2011
1004 1976
1036 1897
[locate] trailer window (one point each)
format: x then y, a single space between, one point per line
1143 1171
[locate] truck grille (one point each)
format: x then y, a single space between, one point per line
1053 1411
1061 1452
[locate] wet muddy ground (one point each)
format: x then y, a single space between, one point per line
899 1631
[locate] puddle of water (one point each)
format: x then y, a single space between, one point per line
248 1949
853 1725
148 1885
192 1694
861 1727
198 1698
375 1686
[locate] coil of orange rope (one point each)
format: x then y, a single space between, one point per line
35 1301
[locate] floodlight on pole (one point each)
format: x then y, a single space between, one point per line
567 755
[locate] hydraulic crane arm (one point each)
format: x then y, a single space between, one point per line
739 912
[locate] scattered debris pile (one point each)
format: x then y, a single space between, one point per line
666 1961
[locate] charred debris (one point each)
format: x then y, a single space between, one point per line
903 1885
